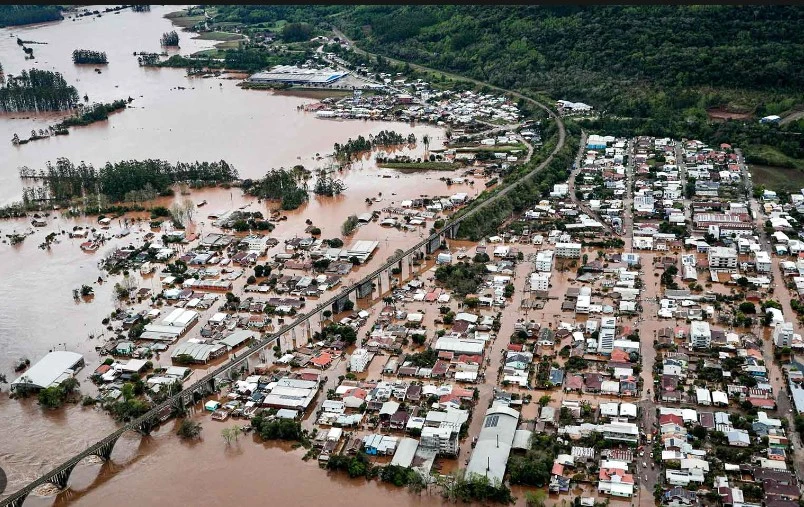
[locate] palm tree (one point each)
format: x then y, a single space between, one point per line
426 142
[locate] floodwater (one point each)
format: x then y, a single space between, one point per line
210 119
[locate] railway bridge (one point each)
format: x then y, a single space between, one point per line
366 287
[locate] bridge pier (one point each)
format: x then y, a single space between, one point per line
145 427
18 500
105 451
62 477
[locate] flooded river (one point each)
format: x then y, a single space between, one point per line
210 119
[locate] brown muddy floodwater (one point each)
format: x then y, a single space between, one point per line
210 119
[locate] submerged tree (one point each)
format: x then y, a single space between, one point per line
169 39
289 187
37 90
326 185
349 225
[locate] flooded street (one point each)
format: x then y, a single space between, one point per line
210 119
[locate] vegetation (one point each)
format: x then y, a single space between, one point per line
169 39
37 90
477 488
337 332
356 466
401 476
189 430
56 396
462 278
529 190
12 15
326 185
345 153
91 114
277 429
289 187
89 56
424 359
117 181
349 225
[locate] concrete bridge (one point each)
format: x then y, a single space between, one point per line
366 287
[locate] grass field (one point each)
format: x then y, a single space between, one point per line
220 36
764 155
180 18
777 178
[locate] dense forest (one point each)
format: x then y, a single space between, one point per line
89 56
119 181
37 90
12 15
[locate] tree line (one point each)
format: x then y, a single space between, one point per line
13 15
65 181
287 186
346 152
37 90
89 56
93 113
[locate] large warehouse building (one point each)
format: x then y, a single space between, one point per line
292 75
51 370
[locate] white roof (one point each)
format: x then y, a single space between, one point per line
460 345
50 370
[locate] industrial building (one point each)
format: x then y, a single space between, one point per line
292 75
51 370
490 456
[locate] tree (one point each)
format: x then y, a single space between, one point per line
349 225
747 307
535 498
544 400
231 433
169 38
189 430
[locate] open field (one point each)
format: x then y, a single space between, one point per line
220 36
180 18
769 156
777 178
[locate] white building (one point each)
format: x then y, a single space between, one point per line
700 334
539 281
763 261
606 336
722 258
568 250
359 360
783 334
544 261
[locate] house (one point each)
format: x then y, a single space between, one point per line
700 334
738 438
615 482
679 497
